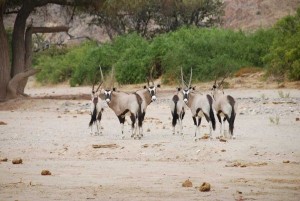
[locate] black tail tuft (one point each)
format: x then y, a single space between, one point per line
93 116
175 115
212 118
211 112
231 121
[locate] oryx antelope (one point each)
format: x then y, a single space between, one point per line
126 104
200 105
178 110
148 95
225 106
96 110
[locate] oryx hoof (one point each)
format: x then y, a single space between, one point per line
132 135
195 139
233 137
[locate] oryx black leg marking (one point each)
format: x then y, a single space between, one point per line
199 121
195 121
219 117
121 117
133 119
207 118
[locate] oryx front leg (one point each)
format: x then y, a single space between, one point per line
122 121
180 124
197 124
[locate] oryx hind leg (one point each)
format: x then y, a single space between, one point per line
210 124
221 125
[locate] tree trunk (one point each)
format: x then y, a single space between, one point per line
4 56
18 42
12 88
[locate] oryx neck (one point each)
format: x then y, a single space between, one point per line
191 99
217 94
145 95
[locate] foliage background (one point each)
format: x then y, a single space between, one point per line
209 51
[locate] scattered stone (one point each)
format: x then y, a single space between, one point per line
148 129
3 159
187 183
112 146
222 140
17 161
45 172
145 146
287 161
58 116
205 187
297 119
3 123
223 150
205 137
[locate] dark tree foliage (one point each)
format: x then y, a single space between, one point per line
151 17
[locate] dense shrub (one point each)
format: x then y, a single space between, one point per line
58 64
208 51
283 60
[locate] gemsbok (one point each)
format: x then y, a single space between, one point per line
125 104
177 110
96 109
225 106
148 95
200 105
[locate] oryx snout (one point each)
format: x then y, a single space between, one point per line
107 94
153 98
185 100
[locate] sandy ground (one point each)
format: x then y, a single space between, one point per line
263 163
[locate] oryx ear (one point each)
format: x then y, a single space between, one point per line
114 89
145 87
158 86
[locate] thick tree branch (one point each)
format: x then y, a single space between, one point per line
50 29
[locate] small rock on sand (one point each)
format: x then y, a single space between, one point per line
287 161
3 123
187 183
3 159
17 161
45 172
204 187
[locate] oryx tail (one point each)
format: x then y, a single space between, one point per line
211 112
232 116
174 113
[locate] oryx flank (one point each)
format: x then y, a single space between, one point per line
177 109
96 110
200 105
225 106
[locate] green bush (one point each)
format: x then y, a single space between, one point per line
209 51
283 59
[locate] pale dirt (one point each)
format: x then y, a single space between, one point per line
53 134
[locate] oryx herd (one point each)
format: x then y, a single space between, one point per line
135 104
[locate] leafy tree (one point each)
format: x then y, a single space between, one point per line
150 17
